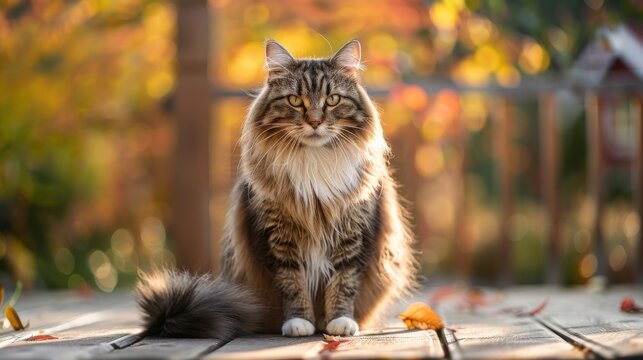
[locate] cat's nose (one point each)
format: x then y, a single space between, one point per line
314 122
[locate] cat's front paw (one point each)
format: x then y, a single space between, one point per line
297 327
342 326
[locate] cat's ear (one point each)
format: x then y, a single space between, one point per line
278 59
349 57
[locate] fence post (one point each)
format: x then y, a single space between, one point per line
595 143
190 228
638 183
461 226
502 149
550 157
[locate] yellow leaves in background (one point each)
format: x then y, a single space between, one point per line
421 316
389 50
414 97
533 58
445 14
159 84
488 56
508 76
246 66
474 111
469 72
256 14
429 160
479 30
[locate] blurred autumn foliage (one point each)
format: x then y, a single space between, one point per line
86 133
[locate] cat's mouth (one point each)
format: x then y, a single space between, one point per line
316 139
319 136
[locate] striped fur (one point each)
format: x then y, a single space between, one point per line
315 230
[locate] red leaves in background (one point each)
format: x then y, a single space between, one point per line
41 338
629 306
443 293
538 309
519 311
467 298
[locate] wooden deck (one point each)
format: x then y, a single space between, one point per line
574 323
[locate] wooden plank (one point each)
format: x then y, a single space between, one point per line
266 347
495 336
595 321
391 344
77 329
84 343
590 320
62 311
164 348
190 228
396 343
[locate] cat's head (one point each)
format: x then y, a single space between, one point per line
314 102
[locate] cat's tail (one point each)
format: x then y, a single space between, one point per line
178 304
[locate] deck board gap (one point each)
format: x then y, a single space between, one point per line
577 343
444 342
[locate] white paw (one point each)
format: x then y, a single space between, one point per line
342 326
297 327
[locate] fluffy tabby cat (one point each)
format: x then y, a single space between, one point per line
315 235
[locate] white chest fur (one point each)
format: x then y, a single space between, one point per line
322 173
317 267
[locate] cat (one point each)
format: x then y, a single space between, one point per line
315 237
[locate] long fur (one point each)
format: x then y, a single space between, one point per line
178 304
315 231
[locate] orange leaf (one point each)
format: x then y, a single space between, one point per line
13 318
629 306
41 338
421 316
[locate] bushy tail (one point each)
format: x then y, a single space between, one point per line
178 304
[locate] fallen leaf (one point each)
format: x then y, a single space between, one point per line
13 318
332 343
538 309
41 338
520 311
442 294
474 298
629 306
421 316
84 291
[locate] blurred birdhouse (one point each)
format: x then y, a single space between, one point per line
610 71
614 59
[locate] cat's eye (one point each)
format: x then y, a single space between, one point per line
332 100
295 100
